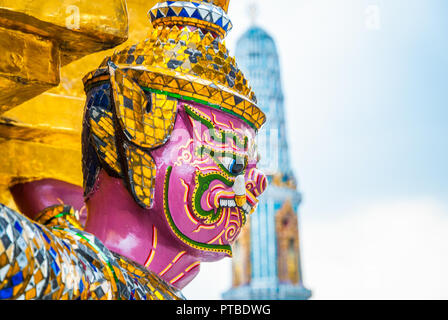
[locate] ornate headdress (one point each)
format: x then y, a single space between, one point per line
183 58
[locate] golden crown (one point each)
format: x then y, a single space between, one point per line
186 59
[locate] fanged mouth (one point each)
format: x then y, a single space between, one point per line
230 203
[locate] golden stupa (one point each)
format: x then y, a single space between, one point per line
47 49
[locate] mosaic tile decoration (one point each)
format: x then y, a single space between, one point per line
201 15
103 137
56 260
146 122
141 174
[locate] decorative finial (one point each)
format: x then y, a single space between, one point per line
210 15
253 12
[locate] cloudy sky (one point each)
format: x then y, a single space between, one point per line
366 90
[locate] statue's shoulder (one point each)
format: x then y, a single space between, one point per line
4 208
12 222
101 273
133 281
145 284
60 216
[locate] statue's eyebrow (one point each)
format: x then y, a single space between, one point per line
216 133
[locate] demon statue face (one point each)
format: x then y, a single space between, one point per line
175 119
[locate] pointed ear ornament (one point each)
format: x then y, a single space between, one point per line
147 121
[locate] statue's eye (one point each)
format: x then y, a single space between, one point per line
234 165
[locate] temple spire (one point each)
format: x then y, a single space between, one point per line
267 261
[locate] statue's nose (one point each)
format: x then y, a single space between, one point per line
257 182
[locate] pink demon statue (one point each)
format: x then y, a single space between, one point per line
169 163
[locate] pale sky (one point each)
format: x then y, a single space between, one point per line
365 96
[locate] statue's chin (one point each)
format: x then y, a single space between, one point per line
212 256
